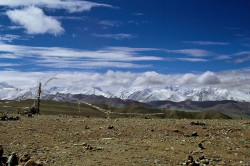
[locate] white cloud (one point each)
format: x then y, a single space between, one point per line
241 60
192 59
14 27
59 57
118 36
7 64
88 64
9 37
245 56
223 57
243 53
80 18
69 5
192 52
21 79
187 79
150 78
35 21
208 78
111 23
9 56
206 43
238 79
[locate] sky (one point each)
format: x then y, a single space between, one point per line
132 42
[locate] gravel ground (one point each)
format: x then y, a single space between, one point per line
61 140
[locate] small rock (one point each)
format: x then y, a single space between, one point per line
25 158
111 127
201 146
194 134
99 148
176 130
186 135
201 158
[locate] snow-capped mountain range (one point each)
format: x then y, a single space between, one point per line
141 94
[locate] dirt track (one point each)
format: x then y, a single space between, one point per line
56 140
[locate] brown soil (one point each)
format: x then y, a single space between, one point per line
57 140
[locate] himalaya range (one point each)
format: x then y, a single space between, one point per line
137 93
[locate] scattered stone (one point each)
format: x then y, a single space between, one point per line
86 127
99 148
4 117
201 146
25 158
176 130
83 144
192 162
194 134
111 127
201 158
197 123
89 147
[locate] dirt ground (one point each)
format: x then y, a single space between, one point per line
60 140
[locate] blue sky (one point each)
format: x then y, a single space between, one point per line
166 37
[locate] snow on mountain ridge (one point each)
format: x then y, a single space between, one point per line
138 93
5 85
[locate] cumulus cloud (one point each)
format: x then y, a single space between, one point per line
35 21
208 78
150 78
69 5
115 79
186 79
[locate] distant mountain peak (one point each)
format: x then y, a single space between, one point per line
5 85
137 93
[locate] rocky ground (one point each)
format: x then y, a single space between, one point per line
60 140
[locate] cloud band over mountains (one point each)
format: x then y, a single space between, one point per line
239 79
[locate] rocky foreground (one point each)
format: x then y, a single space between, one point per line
61 140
